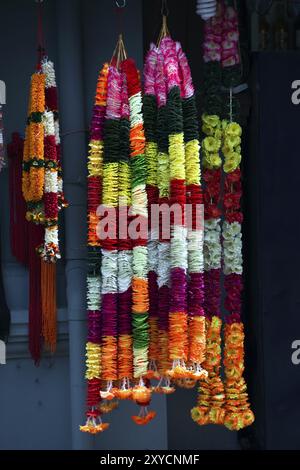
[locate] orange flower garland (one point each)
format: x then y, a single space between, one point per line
211 391
238 412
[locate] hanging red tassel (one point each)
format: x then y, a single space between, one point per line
24 239
36 237
48 295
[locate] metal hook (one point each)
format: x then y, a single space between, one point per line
119 5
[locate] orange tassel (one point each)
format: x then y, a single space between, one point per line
48 292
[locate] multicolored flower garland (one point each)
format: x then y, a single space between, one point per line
194 199
178 320
151 150
95 174
211 392
163 247
238 412
166 66
116 366
139 210
125 255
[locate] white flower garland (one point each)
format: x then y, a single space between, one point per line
48 71
140 262
195 251
179 247
135 104
163 267
50 186
109 272
93 292
232 248
50 82
124 270
139 201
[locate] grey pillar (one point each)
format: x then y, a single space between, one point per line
71 93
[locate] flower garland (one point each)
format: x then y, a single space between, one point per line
43 193
151 151
109 250
141 393
210 407
196 326
163 247
32 188
95 173
155 113
229 407
125 255
140 297
238 412
180 278
178 321
117 360
211 392
33 157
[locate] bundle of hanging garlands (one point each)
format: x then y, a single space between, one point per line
145 293
222 401
42 188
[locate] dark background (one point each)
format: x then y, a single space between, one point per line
41 408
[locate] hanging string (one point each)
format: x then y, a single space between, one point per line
164 32
164 8
120 5
40 34
119 53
